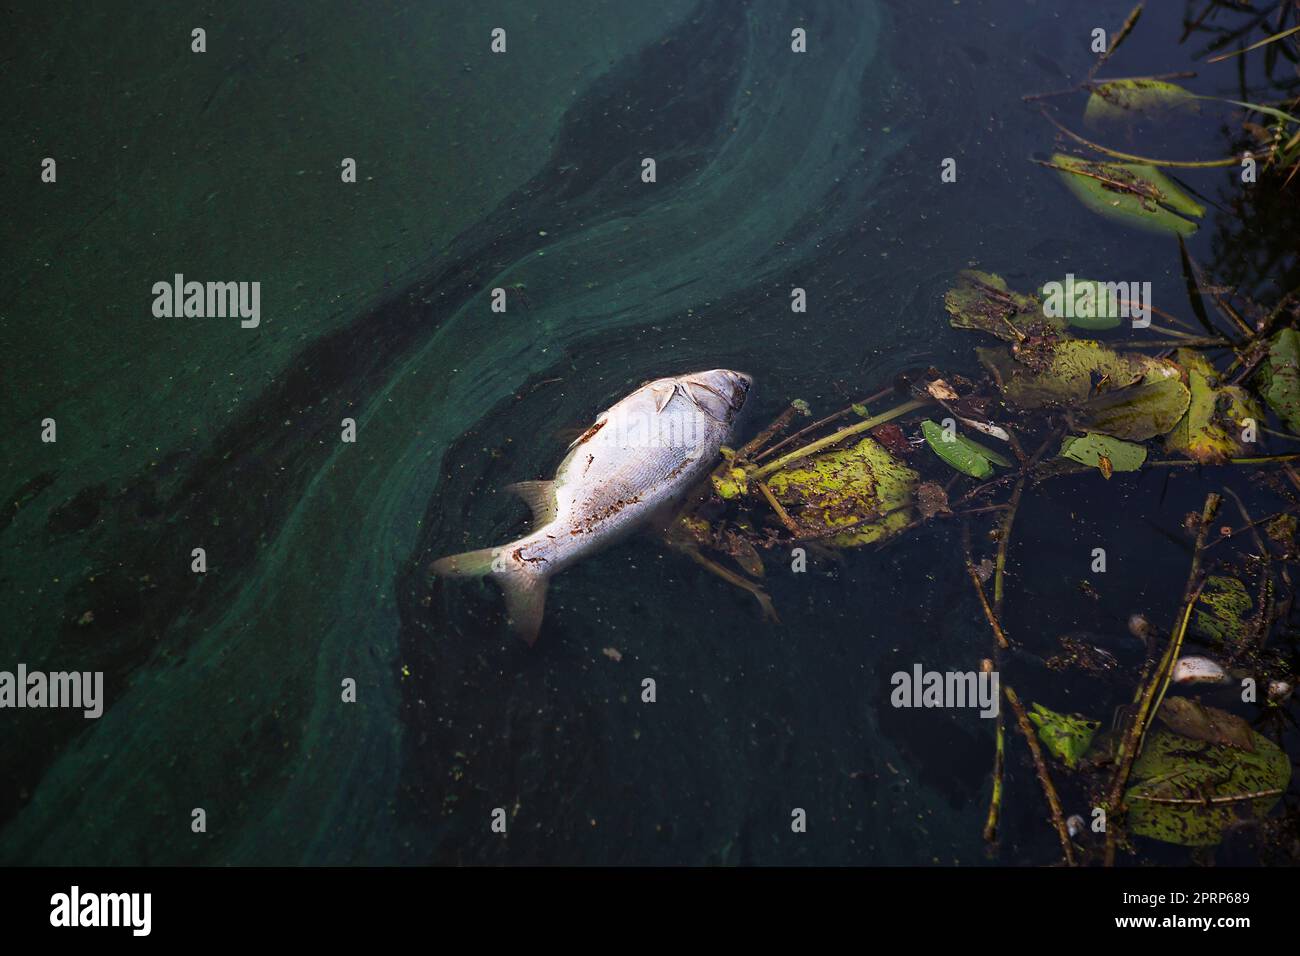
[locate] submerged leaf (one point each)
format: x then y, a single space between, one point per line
1280 377
931 499
1222 610
1092 449
1174 767
982 301
1066 736
1118 100
1096 305
1211 430
1193 719
861 483
1132 193
968 457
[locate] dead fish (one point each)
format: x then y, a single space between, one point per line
1195 669
631 467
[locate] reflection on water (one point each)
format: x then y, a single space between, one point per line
522 172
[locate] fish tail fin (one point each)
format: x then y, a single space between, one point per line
471 564
525 602
525 593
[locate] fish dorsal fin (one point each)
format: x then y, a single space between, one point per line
663 393
540 498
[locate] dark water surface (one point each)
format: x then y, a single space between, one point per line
476 171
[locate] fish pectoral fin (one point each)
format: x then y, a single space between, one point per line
663 395
689 387
525 602
540 498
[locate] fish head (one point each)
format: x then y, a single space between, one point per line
720 392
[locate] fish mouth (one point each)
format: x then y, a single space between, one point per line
744 382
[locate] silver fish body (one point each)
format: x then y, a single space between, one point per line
631 467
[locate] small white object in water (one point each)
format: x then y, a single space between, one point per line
1198 670
1075 825
1278 691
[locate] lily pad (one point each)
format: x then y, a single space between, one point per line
1151 407
860 483
1222 610
968 457
1174 767
1091 448
982 301
1066 736
1280 377
1060 373
1120 100
1211 430
1126 395
1131 193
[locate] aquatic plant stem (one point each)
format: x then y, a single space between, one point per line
1004 539
820 423
1044 778
781 423
1022 721
856 429
781 513
1149 704
1129 23
998 634
1188 462
1210 801
999 759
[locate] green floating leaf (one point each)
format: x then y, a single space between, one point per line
982 301
1129 396
1118 100
1280 377
1131 193
1138 412
1211 430
1060 373
1095 305
846 486
968 457
1222 610
1066 736
1091 448
1173 767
